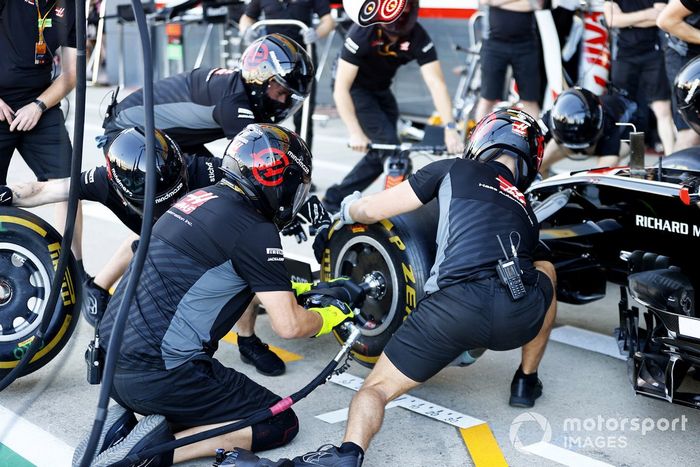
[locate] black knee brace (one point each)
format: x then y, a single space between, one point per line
275 431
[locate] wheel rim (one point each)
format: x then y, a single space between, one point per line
24 288
360 256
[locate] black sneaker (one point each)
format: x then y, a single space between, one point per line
118 424
327 455
258 354
524 390
94 301
150 432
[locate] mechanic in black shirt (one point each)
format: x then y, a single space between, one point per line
581 123
210 253
33 33
367 66
512 40
206 104
480 198
300 10
638 67
681 20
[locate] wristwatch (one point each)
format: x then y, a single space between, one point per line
451 126
40 104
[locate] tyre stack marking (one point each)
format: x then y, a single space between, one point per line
285 355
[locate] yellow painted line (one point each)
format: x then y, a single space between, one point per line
482 446
285 355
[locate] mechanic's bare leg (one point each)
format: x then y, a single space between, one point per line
686 139
664 124
241 438
116 265
533 351
484 107
384 384
60 213
246 324
531 108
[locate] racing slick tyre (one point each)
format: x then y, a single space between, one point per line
29 253
400 251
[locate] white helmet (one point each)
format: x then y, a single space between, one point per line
368 12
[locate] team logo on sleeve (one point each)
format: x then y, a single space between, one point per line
194 200
510 190
275 254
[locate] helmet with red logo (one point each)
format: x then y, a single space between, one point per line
126 169
277 74
368 12
272 167
404 24
512 133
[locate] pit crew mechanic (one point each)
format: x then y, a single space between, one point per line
582 123
300 10
206 104
32 35
512 40
367 65
467 306
210 253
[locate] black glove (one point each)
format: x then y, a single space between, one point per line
5 196
342 289
320 243
313 213
94 302
295 229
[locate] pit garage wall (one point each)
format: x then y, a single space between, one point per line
445 21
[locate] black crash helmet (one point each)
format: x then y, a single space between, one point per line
404 24
576 119
126 169
368 12
513 133
276 58
272 167
687 93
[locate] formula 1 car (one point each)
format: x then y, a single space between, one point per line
638 228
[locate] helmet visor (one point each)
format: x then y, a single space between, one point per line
282 100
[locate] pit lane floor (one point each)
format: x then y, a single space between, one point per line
588 407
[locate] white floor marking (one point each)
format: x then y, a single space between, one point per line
31 442
563 456
587 340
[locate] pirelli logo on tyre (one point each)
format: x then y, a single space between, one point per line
407 270
67 286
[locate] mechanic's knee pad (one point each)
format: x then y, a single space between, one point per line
275 431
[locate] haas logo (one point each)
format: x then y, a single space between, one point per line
269 165
511 190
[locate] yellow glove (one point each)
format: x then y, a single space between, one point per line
333 312
301 287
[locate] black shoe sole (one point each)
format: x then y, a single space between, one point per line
524 402
114 413
247 360
118 452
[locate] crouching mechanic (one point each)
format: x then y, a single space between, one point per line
210 253
585 124
120 186
467 306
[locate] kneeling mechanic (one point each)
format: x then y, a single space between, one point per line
209 254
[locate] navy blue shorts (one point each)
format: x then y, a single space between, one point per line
464 316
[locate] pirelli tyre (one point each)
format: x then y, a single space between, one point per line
29 253
400 251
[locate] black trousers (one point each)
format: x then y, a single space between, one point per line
378 114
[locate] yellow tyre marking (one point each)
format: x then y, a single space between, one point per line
23 222
482 446
46 349
285 355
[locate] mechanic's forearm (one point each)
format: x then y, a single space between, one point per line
441 96
325 26
346 109
637 19
32 194
366 210
683 31
60 88
245 22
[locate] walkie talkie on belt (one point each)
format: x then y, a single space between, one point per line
509 271
94 358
